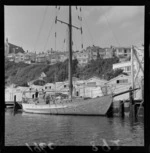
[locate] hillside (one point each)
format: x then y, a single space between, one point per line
21 73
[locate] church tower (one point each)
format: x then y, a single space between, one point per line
6 47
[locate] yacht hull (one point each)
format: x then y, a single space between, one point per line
95 106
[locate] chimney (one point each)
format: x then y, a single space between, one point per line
7 40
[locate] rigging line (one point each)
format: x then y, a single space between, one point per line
111 31
55 50
63 44
89 31
51 28
81 28
49 34
40 28
75 41
79 18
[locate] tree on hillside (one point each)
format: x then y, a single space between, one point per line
74 66
113 73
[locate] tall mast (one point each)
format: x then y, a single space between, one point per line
70 49
70 53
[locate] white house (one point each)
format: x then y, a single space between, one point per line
11 92
125 66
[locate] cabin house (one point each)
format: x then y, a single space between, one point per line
90 92
62 87
95 81
90 88
49 87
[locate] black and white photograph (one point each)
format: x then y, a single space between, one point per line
74 76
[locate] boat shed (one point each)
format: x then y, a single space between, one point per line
119 84
95 81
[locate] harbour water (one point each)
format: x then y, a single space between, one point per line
24 129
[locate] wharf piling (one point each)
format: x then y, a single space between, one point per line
131 108
110 112
14 104
133 105
121 109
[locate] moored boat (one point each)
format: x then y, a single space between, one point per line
95 106
70 106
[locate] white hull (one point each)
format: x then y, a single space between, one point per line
95 106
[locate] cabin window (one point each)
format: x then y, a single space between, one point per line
128 68
91 84
122 81
117 81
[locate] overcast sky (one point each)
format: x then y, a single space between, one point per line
103 26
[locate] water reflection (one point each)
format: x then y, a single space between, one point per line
70 130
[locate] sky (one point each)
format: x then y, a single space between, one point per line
33 27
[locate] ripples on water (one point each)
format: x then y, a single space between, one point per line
71 130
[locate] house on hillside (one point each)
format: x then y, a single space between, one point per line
82 57
123 53
29 56
63 56
11 48
125 66
41 58
109 52
11 57
19 57
101 52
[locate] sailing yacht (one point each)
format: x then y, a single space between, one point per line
72 105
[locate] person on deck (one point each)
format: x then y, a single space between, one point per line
36 93
44 93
